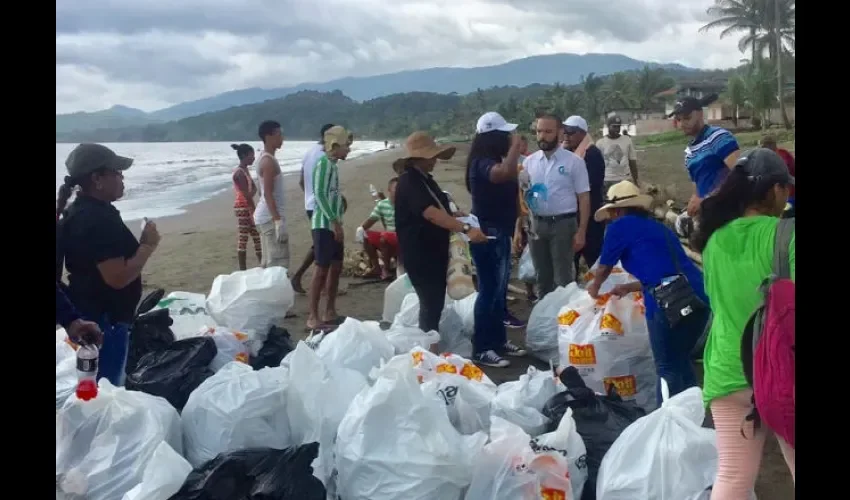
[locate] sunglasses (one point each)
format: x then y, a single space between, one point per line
572 130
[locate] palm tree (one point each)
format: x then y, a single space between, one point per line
618 92
591 87
736 95
649 83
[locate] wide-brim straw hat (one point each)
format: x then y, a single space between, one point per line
422 145
623 194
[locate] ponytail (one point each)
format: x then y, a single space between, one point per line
242 150
737 193
66 190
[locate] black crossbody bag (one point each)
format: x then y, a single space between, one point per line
676 298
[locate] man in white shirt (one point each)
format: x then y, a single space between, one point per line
559 190
306 182
619 153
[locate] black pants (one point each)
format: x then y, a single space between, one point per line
592 245
429 282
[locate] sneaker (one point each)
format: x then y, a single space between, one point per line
490 358
512 350
513 322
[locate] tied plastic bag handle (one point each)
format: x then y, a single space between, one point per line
687 403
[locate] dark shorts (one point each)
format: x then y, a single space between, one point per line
326 249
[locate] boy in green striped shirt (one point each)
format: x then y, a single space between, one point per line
384 241
326 226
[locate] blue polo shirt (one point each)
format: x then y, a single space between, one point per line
642 245
495 204
704 158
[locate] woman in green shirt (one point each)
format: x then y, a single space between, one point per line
737 227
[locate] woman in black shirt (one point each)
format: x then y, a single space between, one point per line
103 258
424 223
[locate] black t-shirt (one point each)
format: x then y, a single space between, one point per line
421 242
595 163
92 232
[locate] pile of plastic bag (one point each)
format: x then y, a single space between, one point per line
456 323
541 334
607 341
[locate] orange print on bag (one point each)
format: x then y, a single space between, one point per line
552 494
611 324
568 318
241 337
582 354
242 357
445 368
625 385
418 357
472 372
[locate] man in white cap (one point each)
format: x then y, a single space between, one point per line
559 191
578 141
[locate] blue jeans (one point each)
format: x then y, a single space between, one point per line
671 348
493 265
113 352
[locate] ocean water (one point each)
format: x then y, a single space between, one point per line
166 177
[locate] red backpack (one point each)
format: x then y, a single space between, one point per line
768 345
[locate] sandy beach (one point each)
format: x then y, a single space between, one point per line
201 244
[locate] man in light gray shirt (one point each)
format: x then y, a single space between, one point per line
559 190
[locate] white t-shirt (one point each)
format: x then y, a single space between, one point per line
307 164
555 182
617 153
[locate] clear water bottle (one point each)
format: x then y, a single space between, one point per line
87 357
374 192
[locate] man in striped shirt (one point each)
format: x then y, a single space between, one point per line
712 152
326 226
384 241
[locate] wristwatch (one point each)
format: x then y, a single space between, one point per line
466 228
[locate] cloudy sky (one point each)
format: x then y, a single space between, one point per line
151 54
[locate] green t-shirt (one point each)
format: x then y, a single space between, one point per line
385 212
326 190
737 258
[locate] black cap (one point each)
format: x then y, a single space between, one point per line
88 158
614 120
763 163
690 104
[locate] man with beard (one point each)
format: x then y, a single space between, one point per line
559 191
711 153
575 131
619 153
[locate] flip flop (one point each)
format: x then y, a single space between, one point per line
323 328
290 315
370 276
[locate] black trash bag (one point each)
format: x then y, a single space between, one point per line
599 420
148 333
256 474
175 371
277 345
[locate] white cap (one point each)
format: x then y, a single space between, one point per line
577 122
493 121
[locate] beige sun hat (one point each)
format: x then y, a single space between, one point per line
421 145
623 194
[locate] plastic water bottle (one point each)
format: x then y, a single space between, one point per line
87 356
374 192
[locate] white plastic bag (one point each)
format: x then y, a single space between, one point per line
566 441
607 341
234 409
527 273
163 477
318 397
666 455
541 335
232 346
427 364
104 445
467 402
394 295
188 314
394 443
405 338
252 300
358 345
452 334
66 379
520 401
510 469
465 308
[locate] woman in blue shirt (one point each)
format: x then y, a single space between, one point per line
643 246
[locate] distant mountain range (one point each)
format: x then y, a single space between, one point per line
567 69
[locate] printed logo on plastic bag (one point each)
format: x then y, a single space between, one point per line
552 494
611 325
582 355
626 385
568 318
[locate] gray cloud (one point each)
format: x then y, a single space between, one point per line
158 52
